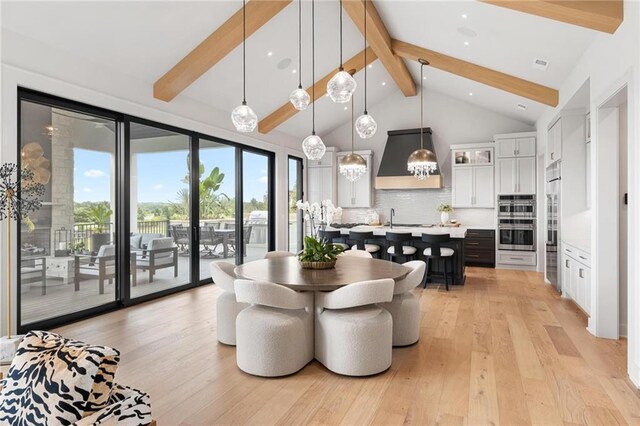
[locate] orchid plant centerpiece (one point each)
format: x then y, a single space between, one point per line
318 252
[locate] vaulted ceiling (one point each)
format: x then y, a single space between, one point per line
147 39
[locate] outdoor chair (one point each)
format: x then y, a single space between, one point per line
33 270
210 241
101 267
245 240
160 253
182 238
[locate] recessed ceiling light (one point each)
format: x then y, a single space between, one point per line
384 83
346 108
522 106
467 32
424 78
294 70
470 93
466 43
269 53
464 16
370 65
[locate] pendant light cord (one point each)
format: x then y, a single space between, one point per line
352 127
313 65
365 57
244 55
299 44
341 67
421 105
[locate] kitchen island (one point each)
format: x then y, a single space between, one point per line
457 234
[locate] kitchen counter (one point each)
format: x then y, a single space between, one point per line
457 232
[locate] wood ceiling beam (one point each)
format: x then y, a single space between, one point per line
380 41
600 15
287 110
215 47
497 79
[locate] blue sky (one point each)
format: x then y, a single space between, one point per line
160 174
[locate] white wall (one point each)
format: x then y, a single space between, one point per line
31 64
609 63
452 121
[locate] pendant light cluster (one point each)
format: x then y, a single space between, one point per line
352 166
243 117
366 126
422 162
342 85
312 146
299 98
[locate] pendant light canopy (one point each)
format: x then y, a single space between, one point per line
352 166
299 98
422 162
342 85
366 126
243 117
312 146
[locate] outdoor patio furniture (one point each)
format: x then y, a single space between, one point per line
141 241
34 269
245 241
101 267
160 253
210 239
182 237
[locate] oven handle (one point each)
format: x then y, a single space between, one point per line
518 227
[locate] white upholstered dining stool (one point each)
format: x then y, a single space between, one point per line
277 253
353 334
405 306
227 307
274 336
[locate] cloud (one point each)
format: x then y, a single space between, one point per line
87 190
263 179
94 173
158 187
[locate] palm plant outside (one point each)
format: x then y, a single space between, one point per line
212 204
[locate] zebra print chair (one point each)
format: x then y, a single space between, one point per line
53 380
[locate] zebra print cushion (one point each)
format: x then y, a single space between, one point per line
53 380
127 407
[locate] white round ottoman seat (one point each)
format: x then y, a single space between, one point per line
227 307
353 335
274 336
405 306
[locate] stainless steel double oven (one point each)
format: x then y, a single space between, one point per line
517 222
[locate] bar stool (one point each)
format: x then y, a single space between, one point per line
397 248
438 253
360 238
332 236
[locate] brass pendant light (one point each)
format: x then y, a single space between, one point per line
422 162
352 166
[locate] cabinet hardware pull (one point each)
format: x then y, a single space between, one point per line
473 244
516 258
582 257
568 251
580 273
566 263
552 155
473 255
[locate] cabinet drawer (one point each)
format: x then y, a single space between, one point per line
479 256
517 258
480 233
480 244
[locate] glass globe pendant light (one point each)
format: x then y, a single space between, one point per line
366 126
243 117
299 98
352 166
342 85
312 145
422 162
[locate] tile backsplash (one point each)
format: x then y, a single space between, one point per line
418 206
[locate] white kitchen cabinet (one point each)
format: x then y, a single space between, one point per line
554 142
516 175
321 178
356 194
576 276
473 187
515 145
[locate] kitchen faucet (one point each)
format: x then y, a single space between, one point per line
391 215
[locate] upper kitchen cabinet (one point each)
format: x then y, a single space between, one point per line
472 176
516 175
554 142
515 145
356 194
321 178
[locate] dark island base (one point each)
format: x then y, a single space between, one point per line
436 270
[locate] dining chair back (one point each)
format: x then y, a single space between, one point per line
436 252
274 336
353 334
400 245
277 254
356 253
332 236
227 307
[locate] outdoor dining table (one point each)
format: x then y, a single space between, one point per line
288 272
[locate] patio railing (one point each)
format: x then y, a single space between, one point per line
83 232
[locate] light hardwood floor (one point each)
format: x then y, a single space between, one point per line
503 349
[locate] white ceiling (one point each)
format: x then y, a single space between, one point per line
145 39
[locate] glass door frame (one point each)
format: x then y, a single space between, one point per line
299 196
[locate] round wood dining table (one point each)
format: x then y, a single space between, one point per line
287 271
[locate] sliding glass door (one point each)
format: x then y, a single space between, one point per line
67 249
257 235
160 209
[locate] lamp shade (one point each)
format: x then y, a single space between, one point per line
422 162
313 147
244 119
341 87
352 166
